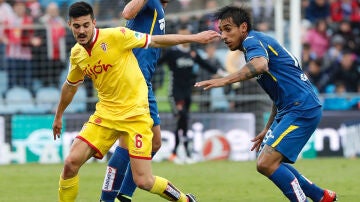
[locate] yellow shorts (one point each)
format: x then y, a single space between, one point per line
101 134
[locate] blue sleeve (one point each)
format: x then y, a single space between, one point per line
254 48
151 4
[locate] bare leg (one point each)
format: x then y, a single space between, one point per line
80 152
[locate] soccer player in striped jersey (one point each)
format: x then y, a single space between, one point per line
122 112
146 16
296 108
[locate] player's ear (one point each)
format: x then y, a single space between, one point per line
244 26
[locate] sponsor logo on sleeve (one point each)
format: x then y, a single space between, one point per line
139 35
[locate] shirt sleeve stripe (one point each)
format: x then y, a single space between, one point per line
148 41
74 83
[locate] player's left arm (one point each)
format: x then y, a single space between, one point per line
160 41
254 67
133 8
258 58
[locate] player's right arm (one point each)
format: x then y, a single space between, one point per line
68 90
133 8
67 93
161 41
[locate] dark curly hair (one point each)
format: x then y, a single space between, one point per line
239 15
79 9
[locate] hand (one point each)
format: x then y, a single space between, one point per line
258 140
207 36
57 126
213 83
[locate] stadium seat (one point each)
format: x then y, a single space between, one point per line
330 88
62 77
4 82
218 101
47 98
78 103
20 100
4 109
355 102
336 103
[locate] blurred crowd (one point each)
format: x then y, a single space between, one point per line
32 43
35 42
331 50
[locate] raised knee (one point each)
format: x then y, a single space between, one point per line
263 167
71 167
144 183
141 184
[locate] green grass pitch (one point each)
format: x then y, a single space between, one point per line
210 181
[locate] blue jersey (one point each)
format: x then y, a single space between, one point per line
285 82
151 20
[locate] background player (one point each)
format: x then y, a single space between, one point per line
296 108
146 16
181 60
122 110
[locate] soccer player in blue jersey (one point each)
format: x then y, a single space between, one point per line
146 16
296 108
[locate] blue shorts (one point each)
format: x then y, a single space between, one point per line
290 134
154 112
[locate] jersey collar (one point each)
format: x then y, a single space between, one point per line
93 41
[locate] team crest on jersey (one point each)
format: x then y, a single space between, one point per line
139 35
103 46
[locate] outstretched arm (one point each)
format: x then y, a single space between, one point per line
133 8
251 69
160 41
67 94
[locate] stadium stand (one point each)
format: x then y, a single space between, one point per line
20 100
79 101
46 98
3 82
